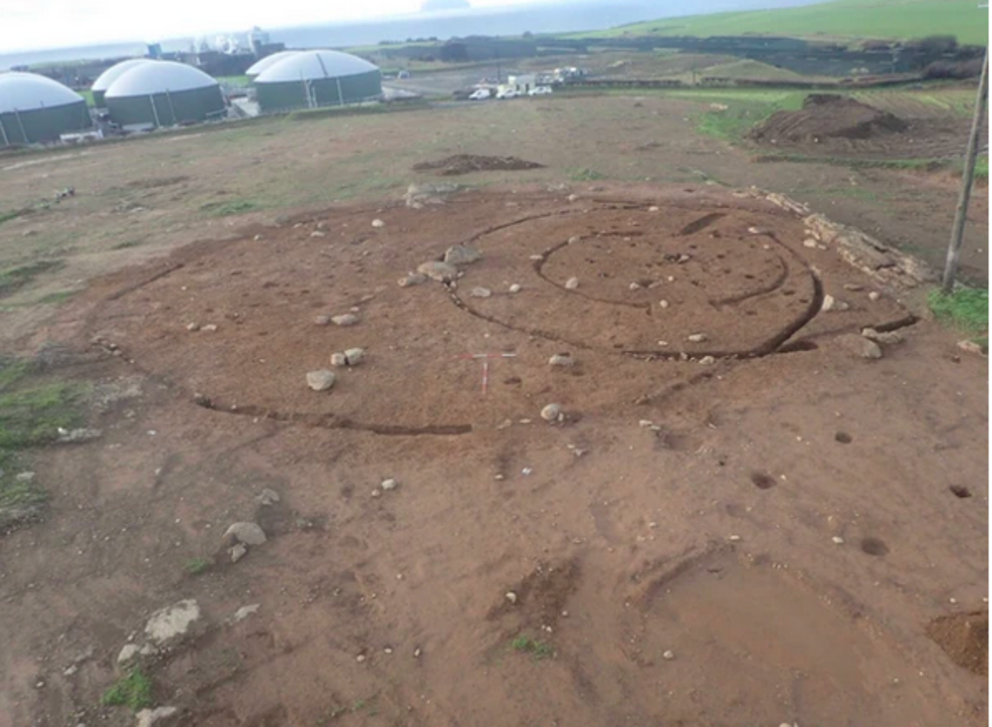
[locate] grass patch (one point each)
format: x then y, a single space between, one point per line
32 411
197 566
234 207
585 175
744 112
537 649
133 691
966 309
982 168
918 165
20 500
60 296
126 244
13 279
8 216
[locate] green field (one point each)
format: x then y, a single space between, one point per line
901 19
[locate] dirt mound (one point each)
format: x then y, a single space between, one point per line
468 163
825 116
965 638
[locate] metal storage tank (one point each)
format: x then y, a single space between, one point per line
309 79
263 64
105 79
35 109
163 93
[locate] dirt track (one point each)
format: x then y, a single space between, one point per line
708 534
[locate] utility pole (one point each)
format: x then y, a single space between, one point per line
968 176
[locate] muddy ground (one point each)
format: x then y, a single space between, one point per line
753 527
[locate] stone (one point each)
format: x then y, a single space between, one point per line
653 208
70 670
24 477
832 304
874 295
696 338
480 292
516 288
268 497
668 655
634 286
809 243
339 359
192 326
244 612
573 197
859 346
707 361
663 303
172 622
238 552
411 279
889 338
971 347
378 224
854 287
562 360
838 540
389 485
148 717
551 413
511 596
127 653
321 380
572 283
247 533
209 328
347 319
318 233
441 272
354 356
74 436
461 255
574 239
322 321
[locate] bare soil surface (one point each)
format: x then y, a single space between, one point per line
750 527
965 638
826 116
468 163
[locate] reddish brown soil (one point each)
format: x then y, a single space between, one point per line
708 534
468 163
965 638
824 116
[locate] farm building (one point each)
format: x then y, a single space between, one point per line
163 93
317 78
35 109
271 60
105 79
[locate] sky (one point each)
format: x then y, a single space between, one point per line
31 24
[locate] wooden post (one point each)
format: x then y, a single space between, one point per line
968 176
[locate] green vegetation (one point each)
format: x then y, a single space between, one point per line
13 279
126 244
922 165
197 566
538 649
21 500
982 168
234 207
856 19
32 411
133 691
8 216
744 109
60 296
584 175
966 309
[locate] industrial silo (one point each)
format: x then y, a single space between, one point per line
310 79
35 109
261 65
163 93
105 79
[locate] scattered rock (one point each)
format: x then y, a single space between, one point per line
810 243
480 292
859 346
634 286
238 552
511 596
441 272
318 233
244 612
574 239
172 622
663 303
354 356
378 224
322 320
653 208
668 655
321 380
571 283
348 319
832 304
148 717
563 360
389 485
854 287
74 436
247 533
971 347
874 295
268 497
552 413
70 670
696 338
412 279
127 653
734 538
889 338
461 255
339 359
838 540
24 477
707 361
192 326
209 328
516 288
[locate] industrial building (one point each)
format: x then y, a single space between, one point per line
163 93
259 66
105 79
35 110
310 79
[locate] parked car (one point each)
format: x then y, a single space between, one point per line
540 91
506 93
481 95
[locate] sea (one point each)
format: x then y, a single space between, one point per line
546 17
